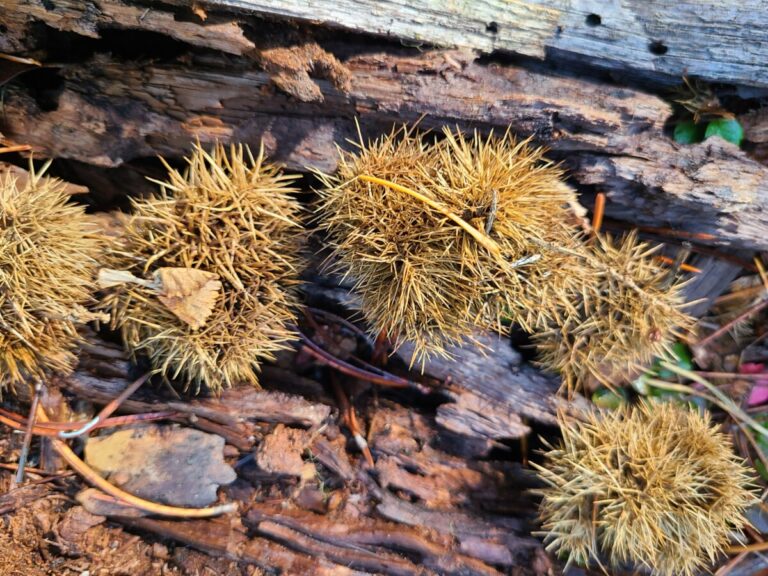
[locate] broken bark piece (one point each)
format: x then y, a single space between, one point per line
282 450
227 538
362 546
495 374
98 503
175 466
334 457
75 523
472 415
290 67
490 539
22 496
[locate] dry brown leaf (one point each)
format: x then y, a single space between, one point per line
189 293
175 466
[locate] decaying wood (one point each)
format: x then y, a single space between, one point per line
725 42
423 509
90 18
490 390
110 111
434 500
103 373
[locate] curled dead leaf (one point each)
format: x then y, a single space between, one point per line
189 293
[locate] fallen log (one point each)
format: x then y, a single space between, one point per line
300 95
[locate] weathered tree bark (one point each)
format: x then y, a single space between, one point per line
237 77
718 41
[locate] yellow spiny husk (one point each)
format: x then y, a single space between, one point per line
229 214
421 277
626 313
48 254
655 485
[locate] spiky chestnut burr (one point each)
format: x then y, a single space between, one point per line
421 277
626 312
230 215
48 255
654 485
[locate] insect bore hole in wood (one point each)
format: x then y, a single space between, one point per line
593 20
658 48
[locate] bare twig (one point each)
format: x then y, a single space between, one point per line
107 410
349 370
348 416
749 312
28 433
598 213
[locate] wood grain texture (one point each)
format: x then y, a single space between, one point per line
722 41
89 18
612 139
429 495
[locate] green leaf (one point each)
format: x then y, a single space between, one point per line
689 132
762 443
681 356
610 399
729 130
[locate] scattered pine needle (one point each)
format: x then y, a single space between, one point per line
761 271
684 267
16 148
598 213
483 240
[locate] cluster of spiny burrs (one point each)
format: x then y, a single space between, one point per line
655 485
443 237
48 254
230 216
628 310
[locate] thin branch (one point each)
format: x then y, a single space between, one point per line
749 312
28 433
